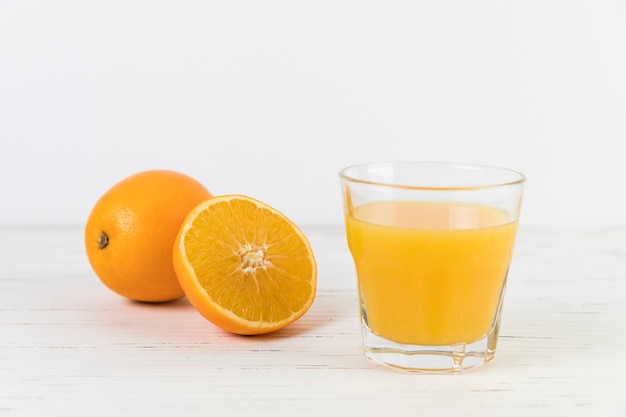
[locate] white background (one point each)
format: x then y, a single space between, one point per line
272 98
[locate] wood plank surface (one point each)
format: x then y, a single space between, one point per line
68 346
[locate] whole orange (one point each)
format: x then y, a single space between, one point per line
130 233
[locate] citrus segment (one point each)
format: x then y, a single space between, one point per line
244 265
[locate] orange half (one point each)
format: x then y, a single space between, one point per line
244 265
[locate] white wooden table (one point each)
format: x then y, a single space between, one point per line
68 346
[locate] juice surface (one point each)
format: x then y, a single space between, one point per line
430 273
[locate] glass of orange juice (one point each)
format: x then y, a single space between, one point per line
432 244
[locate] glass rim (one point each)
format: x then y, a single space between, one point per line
519 180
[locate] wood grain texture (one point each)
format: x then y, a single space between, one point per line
68 346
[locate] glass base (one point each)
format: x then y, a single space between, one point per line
430 359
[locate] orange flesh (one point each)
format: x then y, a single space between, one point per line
244 266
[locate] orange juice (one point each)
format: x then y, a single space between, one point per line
430 273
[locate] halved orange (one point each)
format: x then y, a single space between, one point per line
244 265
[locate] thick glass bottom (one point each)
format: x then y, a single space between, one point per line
430 359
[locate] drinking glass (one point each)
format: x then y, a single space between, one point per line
432 244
